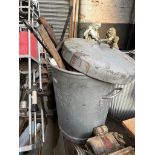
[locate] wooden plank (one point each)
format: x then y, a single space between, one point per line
130 125
43 21
72 20
50 46
76 19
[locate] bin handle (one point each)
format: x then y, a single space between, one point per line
112 94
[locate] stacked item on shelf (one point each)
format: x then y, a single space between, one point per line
34 42
31 112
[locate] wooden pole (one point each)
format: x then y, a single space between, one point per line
43 21
51 46
74 18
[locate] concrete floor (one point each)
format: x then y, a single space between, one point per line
53 139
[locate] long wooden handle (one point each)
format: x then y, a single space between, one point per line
43 21
50 46
66 23
36 35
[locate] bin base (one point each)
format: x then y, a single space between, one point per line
73 139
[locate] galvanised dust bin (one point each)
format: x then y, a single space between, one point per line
83 99
80 103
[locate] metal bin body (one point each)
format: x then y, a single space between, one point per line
80 103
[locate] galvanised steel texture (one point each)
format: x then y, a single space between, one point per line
122 106
99 61
55 12
80 103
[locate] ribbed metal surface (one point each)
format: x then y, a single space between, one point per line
55 12
123 106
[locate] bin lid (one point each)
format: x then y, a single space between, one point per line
99 61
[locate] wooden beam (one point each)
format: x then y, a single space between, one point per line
43 21
51 46
74 18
